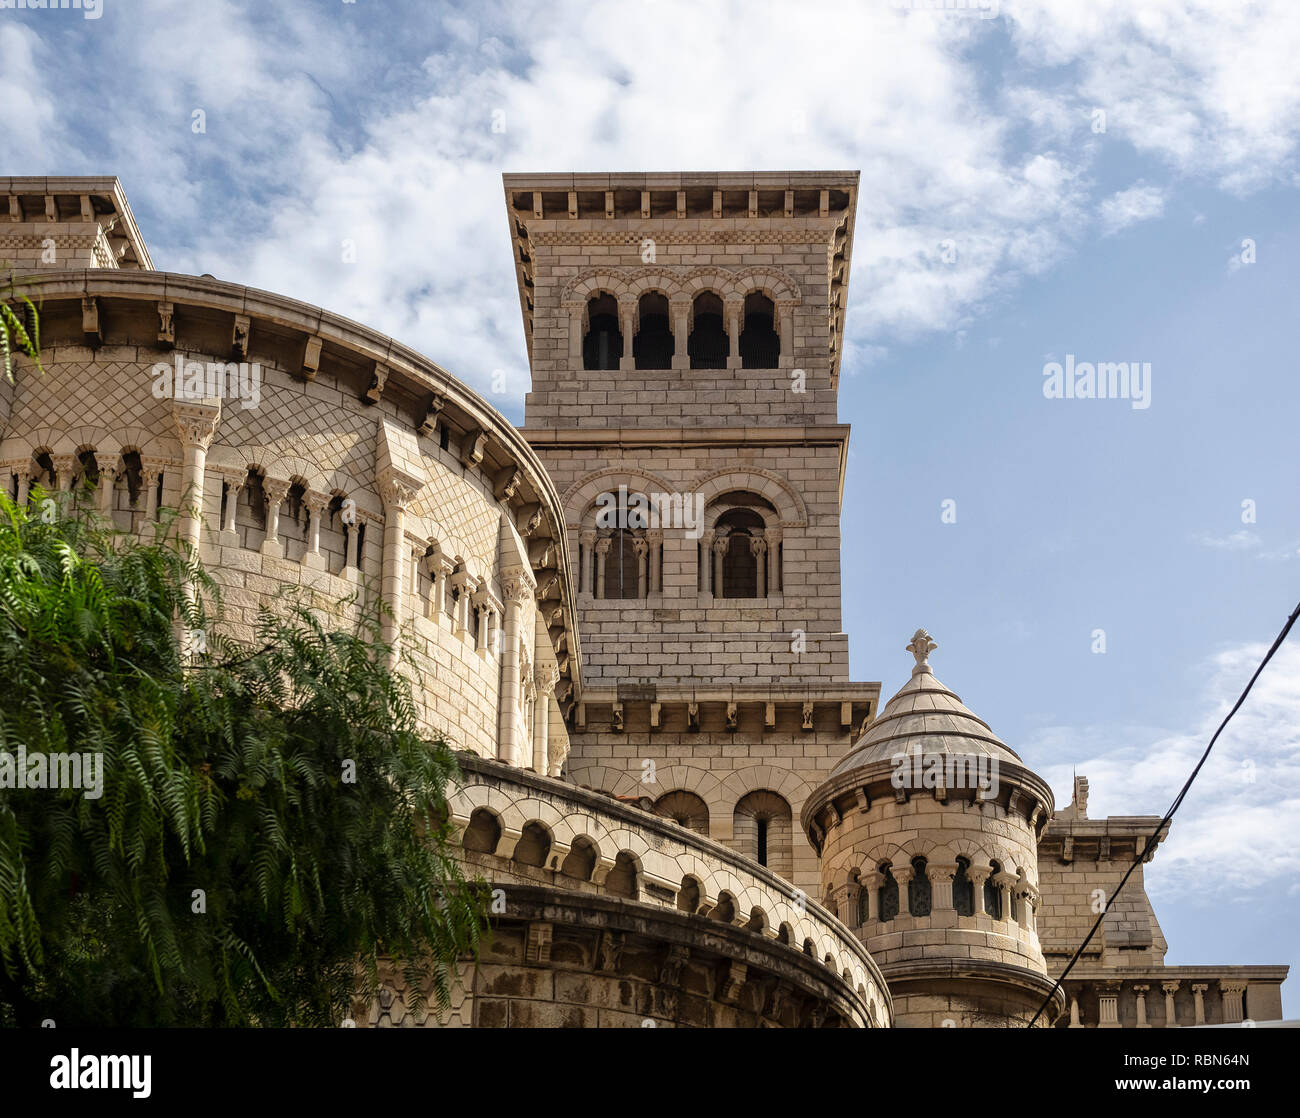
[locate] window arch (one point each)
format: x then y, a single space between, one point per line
963 890
918 889
602 344
685 808
887 893
708 345
993 892
762 829
760 344
653 347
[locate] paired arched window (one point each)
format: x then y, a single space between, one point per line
762 829
653 346
760 345
602 346
709 345
740 562
887 894
918 889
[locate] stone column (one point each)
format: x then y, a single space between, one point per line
518 587
680 311
274 491
774 573
642 549
902 877
733 314
1108 997
706 561
24 485
1231 993
758 548
721 542
602 554
461 590
1198 996
438 568
784 316
196 423
1171 1015
1075 1023
1141 992
65 466
584 574
941 877
316 504
150 475
627 320
871 883
1004 881
397 491
978 875
107 477
655 538
234 484
544 679
351 560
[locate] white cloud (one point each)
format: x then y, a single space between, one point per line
1238 830
1139 202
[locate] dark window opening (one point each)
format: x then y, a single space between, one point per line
760 345
603 344
653 346
708 345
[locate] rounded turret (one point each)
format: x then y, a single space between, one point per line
928 833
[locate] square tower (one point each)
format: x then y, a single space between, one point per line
684 333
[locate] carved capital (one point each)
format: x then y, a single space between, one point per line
196 423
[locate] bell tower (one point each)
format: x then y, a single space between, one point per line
684 334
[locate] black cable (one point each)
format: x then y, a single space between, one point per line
1164 823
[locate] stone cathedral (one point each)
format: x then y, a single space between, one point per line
625 614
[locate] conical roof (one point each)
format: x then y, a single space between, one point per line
926 718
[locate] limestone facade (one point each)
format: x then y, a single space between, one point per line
687 810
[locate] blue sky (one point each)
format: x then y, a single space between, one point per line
999 229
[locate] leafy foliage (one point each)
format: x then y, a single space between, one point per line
15 334
287 780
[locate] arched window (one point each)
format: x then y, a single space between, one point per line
685 808
887 894
653 346
864 905
709 345
762 829
993 893
580 860
621 565
760 345
918 889
740 563
622 879
603 344
483 832
963 890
